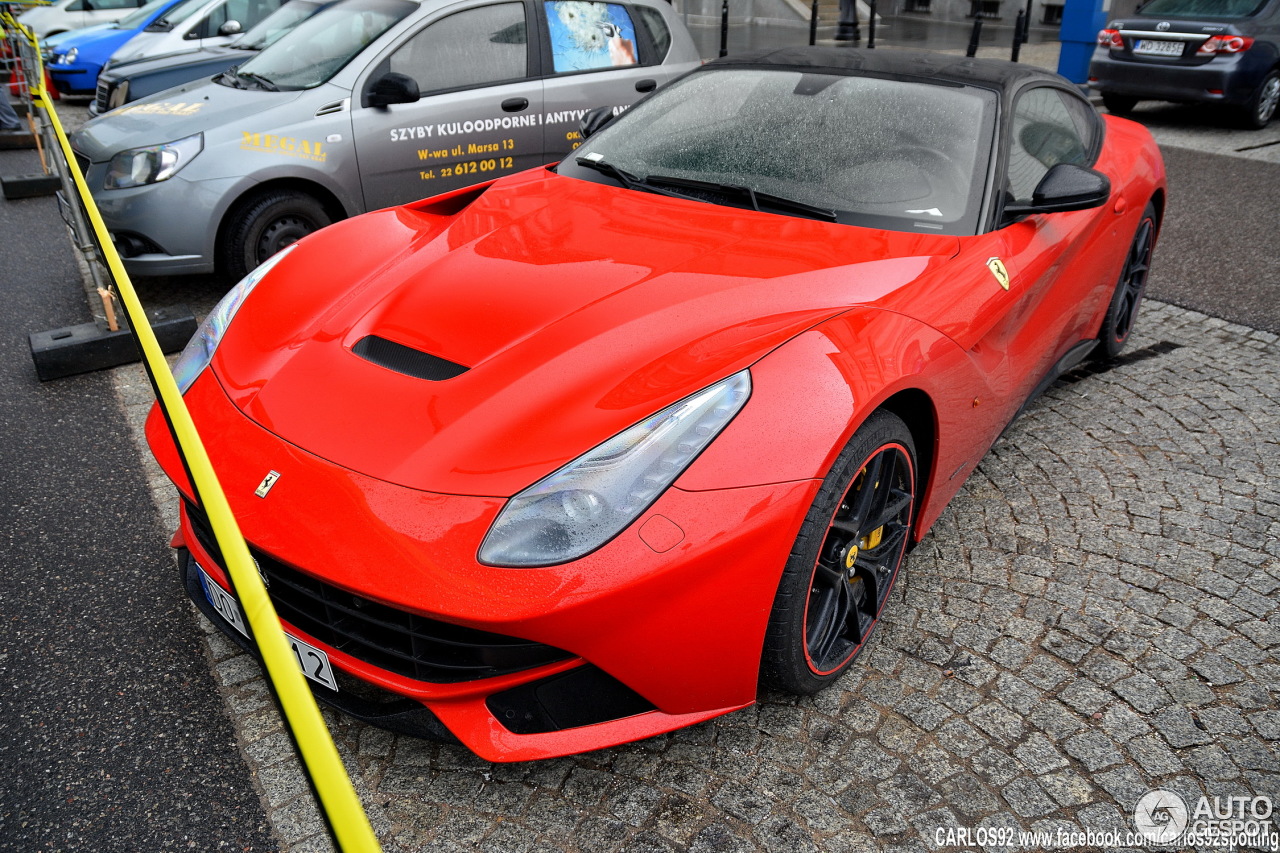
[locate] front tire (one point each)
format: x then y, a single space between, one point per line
267 223
845 559
1122 312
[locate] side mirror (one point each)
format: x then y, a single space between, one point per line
1066 186
595 120
230 28
393 88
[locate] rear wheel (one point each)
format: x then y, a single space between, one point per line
267 223
1120 105
846 557
1122 313
1262 106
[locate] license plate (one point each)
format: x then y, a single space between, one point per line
1149 47
313 662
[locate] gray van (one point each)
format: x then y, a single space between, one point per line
367 104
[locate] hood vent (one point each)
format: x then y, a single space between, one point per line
335 107
406 360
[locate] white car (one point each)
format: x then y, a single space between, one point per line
65 15
196 23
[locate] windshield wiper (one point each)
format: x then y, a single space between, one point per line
229 78
757 200
595 161
259 79
670 185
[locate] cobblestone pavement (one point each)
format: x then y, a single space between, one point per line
1094 616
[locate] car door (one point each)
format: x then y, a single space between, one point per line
1044 273
479 115
596 54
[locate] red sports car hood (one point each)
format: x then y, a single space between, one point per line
571 310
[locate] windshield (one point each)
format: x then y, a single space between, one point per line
275 25
135 19
908 156
320 46
1202 8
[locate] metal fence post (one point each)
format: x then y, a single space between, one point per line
724 27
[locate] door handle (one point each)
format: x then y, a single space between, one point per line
514 105
646 85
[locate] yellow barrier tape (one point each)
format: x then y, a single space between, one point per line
338 798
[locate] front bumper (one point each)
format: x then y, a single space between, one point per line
165 228
1223 79
74 79
672 613
387 710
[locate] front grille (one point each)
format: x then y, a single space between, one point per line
102 95
405 643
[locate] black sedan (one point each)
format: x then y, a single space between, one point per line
1192 51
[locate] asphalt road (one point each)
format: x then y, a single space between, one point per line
116 736
1219 252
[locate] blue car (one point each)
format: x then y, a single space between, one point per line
78 57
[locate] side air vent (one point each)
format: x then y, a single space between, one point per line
335 107
406 360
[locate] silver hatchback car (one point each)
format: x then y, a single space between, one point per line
368 104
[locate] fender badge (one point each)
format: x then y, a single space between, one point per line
267 482
994 264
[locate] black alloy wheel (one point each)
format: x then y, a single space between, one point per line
1122 313
846 558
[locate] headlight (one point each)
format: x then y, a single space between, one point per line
69 57
199 350
139 166
119 95
589 501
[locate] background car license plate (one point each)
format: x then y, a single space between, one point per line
1149 47
313 662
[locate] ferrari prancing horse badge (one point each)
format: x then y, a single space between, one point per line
266 484
997 269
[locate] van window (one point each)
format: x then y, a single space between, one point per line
587 35
655 30
479 46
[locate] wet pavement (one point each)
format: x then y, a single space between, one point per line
1096 615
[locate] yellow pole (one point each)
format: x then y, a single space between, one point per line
338 799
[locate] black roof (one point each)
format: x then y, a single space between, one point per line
995 74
